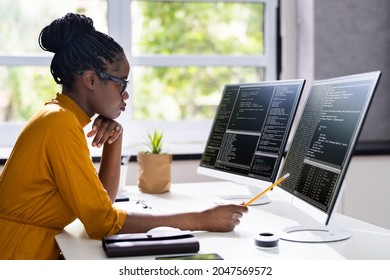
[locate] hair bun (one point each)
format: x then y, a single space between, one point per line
63 31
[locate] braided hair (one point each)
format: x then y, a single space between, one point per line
77 46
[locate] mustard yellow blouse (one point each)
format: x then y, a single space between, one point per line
48 181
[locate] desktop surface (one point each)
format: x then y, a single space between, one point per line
367 241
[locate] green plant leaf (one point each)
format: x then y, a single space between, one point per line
155 143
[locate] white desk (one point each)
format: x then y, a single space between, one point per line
367 241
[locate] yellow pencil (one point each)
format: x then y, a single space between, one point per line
281 179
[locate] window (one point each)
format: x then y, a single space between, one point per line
182 53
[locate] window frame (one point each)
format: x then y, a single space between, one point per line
119 17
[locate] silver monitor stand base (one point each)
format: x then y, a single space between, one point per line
320 234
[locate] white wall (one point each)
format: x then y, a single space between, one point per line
182 171
368 190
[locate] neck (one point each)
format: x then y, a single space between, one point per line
80 98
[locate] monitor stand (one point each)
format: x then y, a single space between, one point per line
315 234
238 199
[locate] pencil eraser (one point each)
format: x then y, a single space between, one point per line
266 240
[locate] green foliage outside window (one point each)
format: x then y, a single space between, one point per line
28 88
198 28
215 28
158 28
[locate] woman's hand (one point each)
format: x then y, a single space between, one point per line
104 130
222 218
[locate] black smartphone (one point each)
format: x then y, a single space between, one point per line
210 256
121 198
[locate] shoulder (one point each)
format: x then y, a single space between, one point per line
58 114
53 120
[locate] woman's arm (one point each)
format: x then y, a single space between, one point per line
108 133
221 218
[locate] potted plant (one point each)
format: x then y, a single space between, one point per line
154 173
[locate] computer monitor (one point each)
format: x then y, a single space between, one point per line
249 135
321 150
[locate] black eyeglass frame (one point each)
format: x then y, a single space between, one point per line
106 76
117 80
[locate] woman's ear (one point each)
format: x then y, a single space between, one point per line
89 79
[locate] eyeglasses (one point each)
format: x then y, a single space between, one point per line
106 76
122 82
143 204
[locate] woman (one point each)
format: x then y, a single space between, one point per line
49 179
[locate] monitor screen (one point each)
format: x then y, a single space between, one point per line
250 132
324 140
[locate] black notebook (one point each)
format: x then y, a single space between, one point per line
142 244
